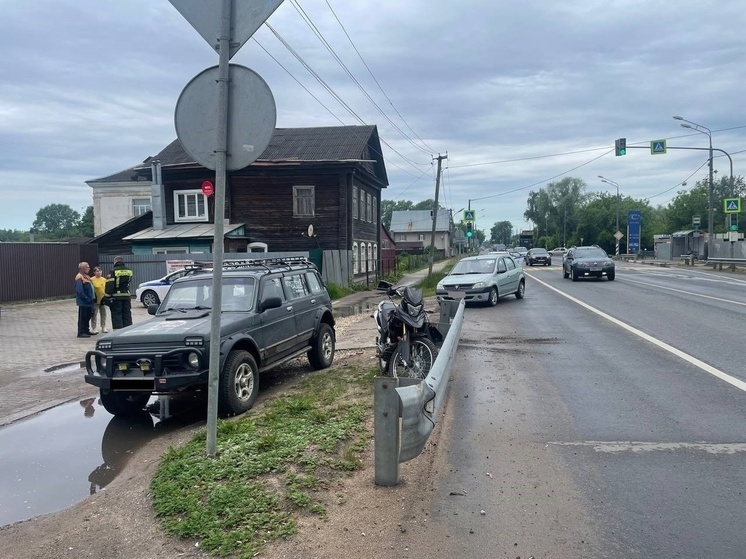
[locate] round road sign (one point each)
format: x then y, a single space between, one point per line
252 117
207 188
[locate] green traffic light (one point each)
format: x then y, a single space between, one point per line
468 233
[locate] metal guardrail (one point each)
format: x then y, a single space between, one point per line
416 402
717 263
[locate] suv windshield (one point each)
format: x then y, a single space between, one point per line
238 295
539 251
590 252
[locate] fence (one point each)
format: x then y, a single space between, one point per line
33 271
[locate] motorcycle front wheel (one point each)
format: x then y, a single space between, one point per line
422 354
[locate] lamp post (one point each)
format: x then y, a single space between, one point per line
710 210
612 183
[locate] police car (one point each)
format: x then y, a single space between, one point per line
153 292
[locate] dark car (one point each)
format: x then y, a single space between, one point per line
587 261
538 256
272 311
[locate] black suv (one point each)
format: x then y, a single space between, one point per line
538 256
273 310
590 261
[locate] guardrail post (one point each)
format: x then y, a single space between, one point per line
386 430
448 308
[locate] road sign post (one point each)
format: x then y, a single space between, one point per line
232 25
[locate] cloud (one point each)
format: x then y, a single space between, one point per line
91 89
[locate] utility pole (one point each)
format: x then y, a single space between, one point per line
435 215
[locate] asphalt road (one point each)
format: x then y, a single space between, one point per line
596 419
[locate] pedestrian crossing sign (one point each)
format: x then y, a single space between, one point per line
732 205
469 215
657 147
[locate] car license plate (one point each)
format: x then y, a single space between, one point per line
595 269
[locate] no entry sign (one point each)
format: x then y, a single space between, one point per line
207 188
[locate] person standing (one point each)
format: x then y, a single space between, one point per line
99 309
84 298
118 287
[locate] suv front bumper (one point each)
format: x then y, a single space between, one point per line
159 373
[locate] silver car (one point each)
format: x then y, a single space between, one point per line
484 279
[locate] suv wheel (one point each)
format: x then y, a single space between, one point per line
492 298
124 404
321 354
574 275
239 383
610 275
565 273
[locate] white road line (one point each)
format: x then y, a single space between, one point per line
730 302
741 385
641 446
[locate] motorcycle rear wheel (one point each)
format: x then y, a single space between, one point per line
422 354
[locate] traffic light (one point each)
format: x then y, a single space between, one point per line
469 232
620 146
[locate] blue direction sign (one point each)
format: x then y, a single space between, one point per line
633 229
657 147
469 215
732 205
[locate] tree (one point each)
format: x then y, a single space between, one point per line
56 221
388 207
501 232
85 225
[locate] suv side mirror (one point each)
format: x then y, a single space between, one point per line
270 303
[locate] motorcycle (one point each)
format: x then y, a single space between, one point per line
406 341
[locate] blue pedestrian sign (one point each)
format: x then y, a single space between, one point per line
732 205
657 147
469 215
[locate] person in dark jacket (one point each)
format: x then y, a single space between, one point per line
118 288
85 299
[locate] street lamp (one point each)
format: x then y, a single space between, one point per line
710 210
616 234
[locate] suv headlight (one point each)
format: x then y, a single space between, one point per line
193 360
439 287
106 344
583 265
196 341
478 285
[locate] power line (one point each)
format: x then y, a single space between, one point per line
375 80
338 98
336 57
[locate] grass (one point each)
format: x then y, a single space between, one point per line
272 465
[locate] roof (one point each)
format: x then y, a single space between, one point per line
185 231
354 144
419 221
683 233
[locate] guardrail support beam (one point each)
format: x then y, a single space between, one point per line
386 430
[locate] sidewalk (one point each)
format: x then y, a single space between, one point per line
40 355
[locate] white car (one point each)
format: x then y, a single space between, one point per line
153 292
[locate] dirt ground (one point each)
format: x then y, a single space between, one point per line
118 522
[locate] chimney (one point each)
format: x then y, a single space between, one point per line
157 197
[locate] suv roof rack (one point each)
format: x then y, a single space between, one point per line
266 263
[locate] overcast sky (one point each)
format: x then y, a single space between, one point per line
517 94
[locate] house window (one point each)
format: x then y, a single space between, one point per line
171 250
420 237
370 267
401 237
369 216
375 211
355 258
375 257
303 201
140 206
190 205
354 202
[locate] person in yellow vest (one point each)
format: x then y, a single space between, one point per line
99 309
118 288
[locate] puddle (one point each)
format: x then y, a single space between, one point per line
57 458
352 310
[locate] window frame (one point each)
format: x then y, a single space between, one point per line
197 196
310 200
135 205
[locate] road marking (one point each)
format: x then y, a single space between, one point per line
741 385
730 302
636 446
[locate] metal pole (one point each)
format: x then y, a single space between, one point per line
221 153
617 219
711 210
435 216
